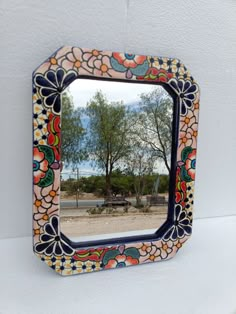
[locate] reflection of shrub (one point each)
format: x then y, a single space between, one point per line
164 184
139 206
93 184
150 181
99 210
99 193
95 210
120 183
70 186
145 209
109 210
126 208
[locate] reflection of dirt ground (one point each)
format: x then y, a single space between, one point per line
74 226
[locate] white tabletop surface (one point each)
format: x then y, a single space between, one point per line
200 279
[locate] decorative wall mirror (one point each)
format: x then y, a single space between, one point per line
114 159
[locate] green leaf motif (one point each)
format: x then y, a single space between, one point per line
133 252
110 255
184 175
140 69
117 66
48 152
47 180
185 152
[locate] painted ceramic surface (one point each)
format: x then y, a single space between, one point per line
49 80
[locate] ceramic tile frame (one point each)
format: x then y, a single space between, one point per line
49 80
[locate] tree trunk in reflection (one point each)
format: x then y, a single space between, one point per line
108 140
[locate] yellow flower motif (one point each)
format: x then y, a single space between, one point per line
189 198
48 260
174 65
154 62
40 121
87 266
68 266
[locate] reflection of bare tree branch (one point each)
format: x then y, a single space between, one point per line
139 163
161 143
122 142
154 124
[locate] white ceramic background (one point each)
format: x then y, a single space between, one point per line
201 33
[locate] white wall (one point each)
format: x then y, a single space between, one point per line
201 33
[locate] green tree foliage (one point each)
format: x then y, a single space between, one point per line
70 186
71 131
108 138
122 183
163 184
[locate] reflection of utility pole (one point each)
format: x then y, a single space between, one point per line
77 187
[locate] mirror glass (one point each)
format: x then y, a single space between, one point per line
116 151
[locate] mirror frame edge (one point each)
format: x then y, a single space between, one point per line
49 80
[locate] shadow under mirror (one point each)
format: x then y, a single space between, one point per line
116 156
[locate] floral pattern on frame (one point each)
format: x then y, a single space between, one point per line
49 80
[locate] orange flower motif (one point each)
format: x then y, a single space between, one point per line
188 130
149 252
145 248
45 203
166 249
51 63
100 64
190 164
121 261
131 64
102 67
91 56
129 60
51 193
42 218
40 165
74 60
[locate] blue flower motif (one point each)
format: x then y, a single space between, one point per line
182 225
187 91
51 84
50 241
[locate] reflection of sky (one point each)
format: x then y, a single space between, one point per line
82 90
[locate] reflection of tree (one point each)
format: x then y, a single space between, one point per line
118 137
139 164
72 131
154 123
108 138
